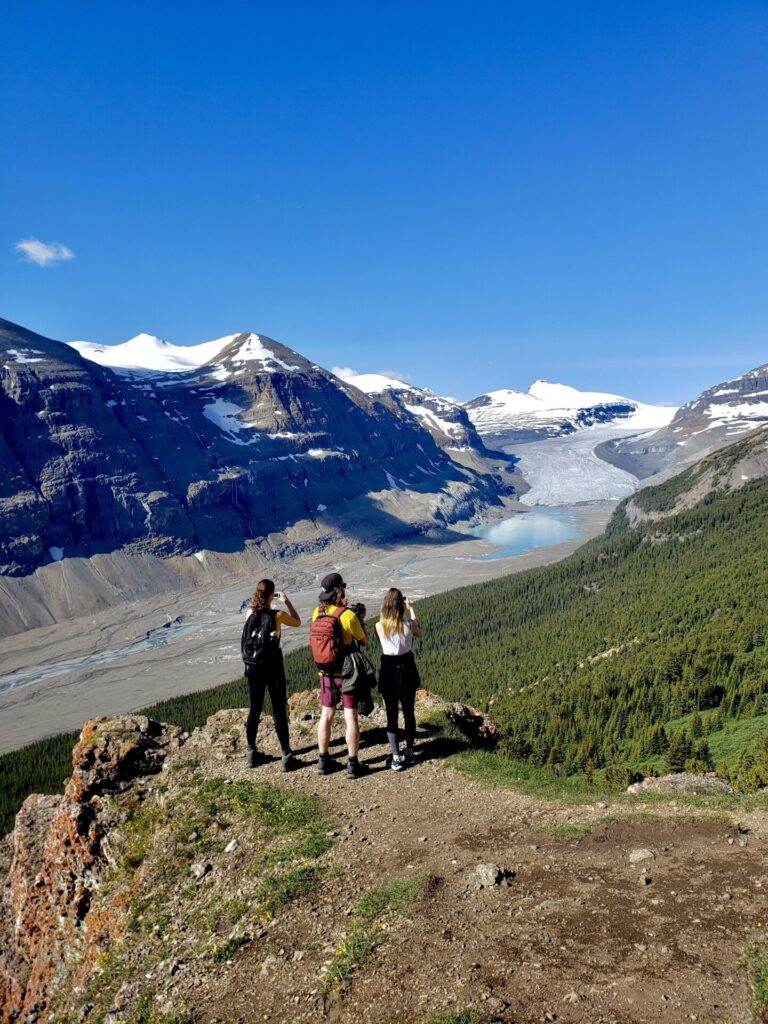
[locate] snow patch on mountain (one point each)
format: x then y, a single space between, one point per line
553 409
254 350
148 352
746 412
226 416
24 355
434 421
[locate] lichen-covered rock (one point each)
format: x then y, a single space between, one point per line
59 851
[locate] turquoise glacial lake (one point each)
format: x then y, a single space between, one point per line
543 527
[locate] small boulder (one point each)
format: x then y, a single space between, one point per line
487 875
640 854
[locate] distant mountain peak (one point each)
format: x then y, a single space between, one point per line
550 409
148 353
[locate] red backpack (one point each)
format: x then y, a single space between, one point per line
326 641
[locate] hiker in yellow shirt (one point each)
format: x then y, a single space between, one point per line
332 604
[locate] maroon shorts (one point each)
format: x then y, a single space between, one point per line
330 693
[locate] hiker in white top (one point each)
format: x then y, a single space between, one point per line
398 677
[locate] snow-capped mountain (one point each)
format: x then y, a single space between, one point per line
720 415
169 450
447 421
506 417
147 352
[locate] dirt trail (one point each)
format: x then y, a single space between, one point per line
577 934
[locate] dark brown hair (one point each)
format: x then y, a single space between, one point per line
338 597
260 600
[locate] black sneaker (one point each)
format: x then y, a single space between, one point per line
356 769
324 765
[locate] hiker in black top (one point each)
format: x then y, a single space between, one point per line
263 659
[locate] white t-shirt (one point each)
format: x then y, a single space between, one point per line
396 643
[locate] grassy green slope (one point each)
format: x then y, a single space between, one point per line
581 659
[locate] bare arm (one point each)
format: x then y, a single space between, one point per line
292 617
415 624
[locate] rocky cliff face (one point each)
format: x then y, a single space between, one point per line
446 420
50 932
720 416
94 459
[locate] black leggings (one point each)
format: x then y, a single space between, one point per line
398 682
392 702
261 678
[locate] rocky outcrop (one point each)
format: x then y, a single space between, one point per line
683 783
59 851
94 460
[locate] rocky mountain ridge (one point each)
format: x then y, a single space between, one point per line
181 459
720 416
447 421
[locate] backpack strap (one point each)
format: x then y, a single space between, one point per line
335 614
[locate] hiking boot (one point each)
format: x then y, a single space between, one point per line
355 769
410 757
288 762
324 764
396 763
252 757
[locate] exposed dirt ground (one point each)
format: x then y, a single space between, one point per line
577 934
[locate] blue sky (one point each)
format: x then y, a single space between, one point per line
472 195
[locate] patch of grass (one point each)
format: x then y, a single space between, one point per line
140 831
727 743
226 950
282 811
235 909
754 960
311 843
498 770
395 898
276 889
467 1016
146 1014
366 932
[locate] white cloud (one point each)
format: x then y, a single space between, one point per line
344 372
395 375
44 254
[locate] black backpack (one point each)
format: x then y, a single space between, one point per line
260 641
